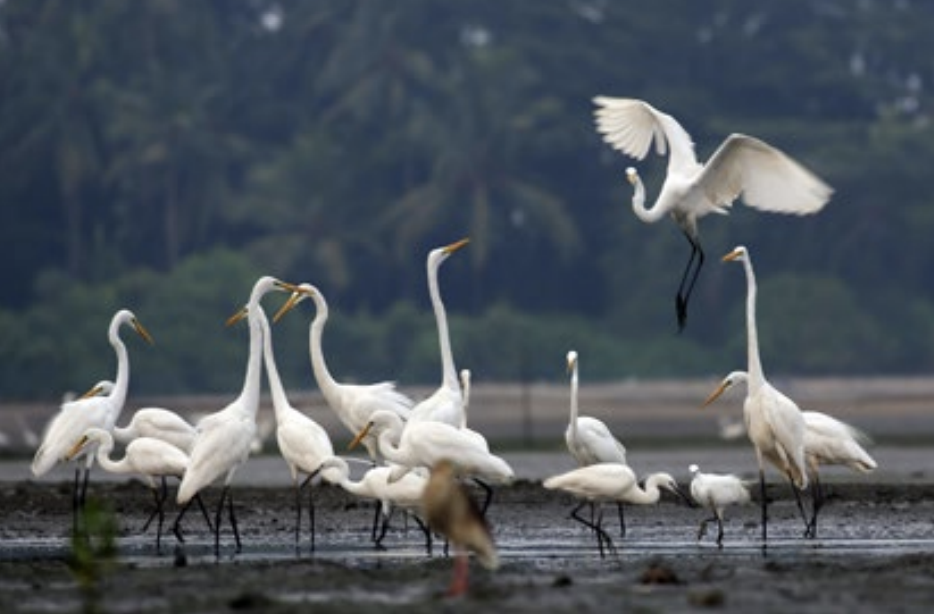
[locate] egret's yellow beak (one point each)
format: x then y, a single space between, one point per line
356 440
732 255
239 315
76 449
716 393
453 247
295 299
142 332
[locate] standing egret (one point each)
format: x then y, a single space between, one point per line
447 402
353 403
224 437
774 423
609 482
716 492
96 410
589 440
451 512
144 456
827 441
766 178
303 443
424 443
404 493
158 423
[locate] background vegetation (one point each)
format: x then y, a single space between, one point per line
161 155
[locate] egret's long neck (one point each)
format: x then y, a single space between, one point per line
574 401
448 370
756 375
325 382
650 494
104 448
390 444
280 402
254 366
122 381
649 216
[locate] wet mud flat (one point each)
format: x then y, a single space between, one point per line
874 552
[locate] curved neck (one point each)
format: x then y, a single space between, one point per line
280 402
754 367
574 400
390 443
448 370
254 366
638 205
104 448
650 494
320 368
122 381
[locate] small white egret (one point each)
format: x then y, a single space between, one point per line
94 409
451 512
224 437
715 492
774 423
353 403
603 482
447 402
424 443
766 178
303 443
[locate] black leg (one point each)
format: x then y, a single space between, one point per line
177 526
161 496
688 279
76 500
602 536
426 531
719 532
217 523
764 503
298 515
622 520
233 520
311 510
817 502
384 525
489 495
801 510
204 511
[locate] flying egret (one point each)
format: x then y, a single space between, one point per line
404 493
715 492
92 410
589 440
609 482
447 402
303 443
353 403
145 456
451 512
763 176
224 437
158 423
424 443
774 423
827 441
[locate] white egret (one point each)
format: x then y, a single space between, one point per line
158 423
424 443
451 512
715 492
766 178
827 441
774 423
92 410
589 440
146 457
614 482
303 443
404 493
224 437
447 402
353 403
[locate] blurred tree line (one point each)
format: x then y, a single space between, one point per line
161 155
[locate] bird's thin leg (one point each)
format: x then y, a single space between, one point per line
764 504
384 526
426 531
489 495
377 521
594 526
177 525
311 507
622 520
688 279
817 502
298 515
719 531
204 511
161 496
233 520
801 510
702 529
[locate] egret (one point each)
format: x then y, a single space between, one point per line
224 437
92 410
465 377
827 441
610 482
145 456
447 402
716 492
451 512
353 403
158 423
774 423
303 443
589 440
766 178
424 443
404 493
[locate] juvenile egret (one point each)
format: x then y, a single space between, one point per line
589 440
716 492
827 441
353 403
404 493
224 437
774 423
144 456
609 482
451 512
424 443
303 443
158 423
766 178
447 402
96 410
